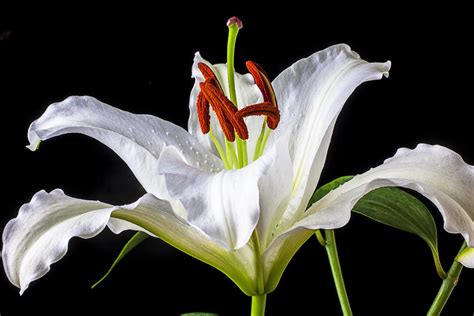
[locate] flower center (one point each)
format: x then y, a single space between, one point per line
230 118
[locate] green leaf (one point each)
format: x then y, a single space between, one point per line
328 187
399 209
319 193
132 243
396 208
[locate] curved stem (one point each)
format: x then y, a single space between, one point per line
333 256
447 287
320 238
439 267
258 305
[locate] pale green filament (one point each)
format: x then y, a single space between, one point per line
218 146
231 156
262 140
245 160
240 153
256 154
265 138
242 160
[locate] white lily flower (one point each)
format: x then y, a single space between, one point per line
246 222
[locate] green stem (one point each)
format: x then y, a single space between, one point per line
258 305
447 287
333 256
439 267
320 238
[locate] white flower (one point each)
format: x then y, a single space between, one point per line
246 222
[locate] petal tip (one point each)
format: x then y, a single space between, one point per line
34 146
23 289
33 138
387 66
197 56
466 258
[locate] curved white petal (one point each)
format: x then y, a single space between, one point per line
137 139
279 254
437 172
311 94
275 191
466 258
39 235
238 265
247 93
223 205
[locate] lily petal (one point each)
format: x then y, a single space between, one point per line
275 192
466 258
137 139
311 94
279 254
437 172
39 235
247 93
238 265
224 205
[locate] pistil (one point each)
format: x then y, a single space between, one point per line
235 24
231 119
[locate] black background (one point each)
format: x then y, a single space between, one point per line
139 59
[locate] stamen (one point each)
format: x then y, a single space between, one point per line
265 86
265 108
204 117
224 108
216 143
227 108
213 100
208 74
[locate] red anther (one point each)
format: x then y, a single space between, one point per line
265 86
219 109
208 74
227 107
259 76
272 123
203 113
265 108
